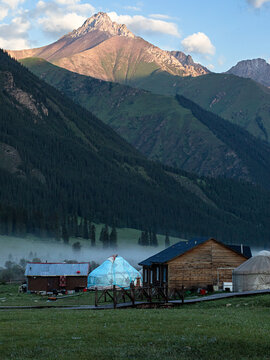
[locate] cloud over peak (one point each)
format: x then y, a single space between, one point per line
198 43
60 16
142 25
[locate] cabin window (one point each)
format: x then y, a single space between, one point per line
164 275
157 273
145 275
151 277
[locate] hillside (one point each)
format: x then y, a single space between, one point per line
255 69
109 51
106 50
69 162
243 102
163 129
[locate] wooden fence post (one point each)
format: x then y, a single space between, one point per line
96 297
150 293
132 293
166 293
182 295
114 297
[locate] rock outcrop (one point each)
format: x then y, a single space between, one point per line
256 69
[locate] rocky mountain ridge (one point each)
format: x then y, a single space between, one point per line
106 50
188 62
255 69
101 22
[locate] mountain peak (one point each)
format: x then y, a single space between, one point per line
255 69
102 22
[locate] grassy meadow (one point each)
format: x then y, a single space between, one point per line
224 329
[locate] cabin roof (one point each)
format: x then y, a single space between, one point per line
183 246
56 269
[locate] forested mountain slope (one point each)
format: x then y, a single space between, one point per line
58 159
164 129
243 102
106 50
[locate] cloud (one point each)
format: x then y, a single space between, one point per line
257 3
133 8
9 5
160 16
61 16
53 17
15 35
141 25
221 60
3 12
198 43
57 26
12 4
210 66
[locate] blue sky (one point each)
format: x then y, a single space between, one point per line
217 33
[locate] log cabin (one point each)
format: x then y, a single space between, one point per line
197 263
50 277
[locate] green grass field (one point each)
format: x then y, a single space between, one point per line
234 329
9 296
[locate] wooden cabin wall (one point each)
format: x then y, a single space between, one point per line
42 283
37 283
200 266
74 282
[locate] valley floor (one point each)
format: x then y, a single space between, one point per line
225 329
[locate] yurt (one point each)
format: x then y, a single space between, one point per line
114 271
253 274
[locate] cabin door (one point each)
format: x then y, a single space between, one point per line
50 285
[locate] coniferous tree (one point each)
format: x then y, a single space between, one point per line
154 239
76 230
150 234
140 240
106 238
56 228
167 240
93 235
76 246
80 228
65 235
85 229
101 235
144 239
113 238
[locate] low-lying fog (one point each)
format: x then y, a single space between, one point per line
14 249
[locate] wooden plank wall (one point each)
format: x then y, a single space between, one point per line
42 283
199 267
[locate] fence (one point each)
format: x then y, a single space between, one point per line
149 294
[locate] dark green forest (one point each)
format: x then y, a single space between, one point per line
254 153
182 136
86 170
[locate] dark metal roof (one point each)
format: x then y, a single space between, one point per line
183 246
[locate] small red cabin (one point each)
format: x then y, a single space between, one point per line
56 276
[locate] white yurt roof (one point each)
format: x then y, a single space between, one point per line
258 264
113 271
